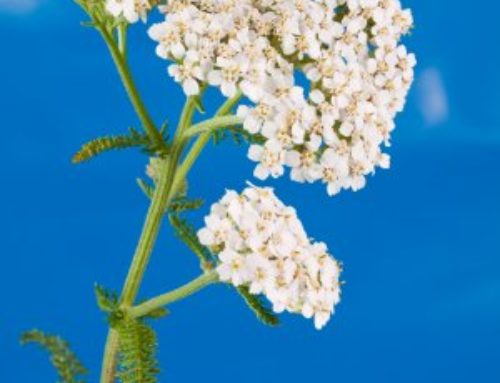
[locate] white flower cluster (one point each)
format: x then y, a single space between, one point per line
358 77
131 10
261 244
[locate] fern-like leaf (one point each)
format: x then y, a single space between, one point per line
180 204
186 232
106 300
68 367
177 205
263 313
238 135
107 143
146 188
137 352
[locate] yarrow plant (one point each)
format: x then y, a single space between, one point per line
311 85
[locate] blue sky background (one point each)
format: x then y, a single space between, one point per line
420 245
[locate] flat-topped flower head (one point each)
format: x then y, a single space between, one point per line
358 77
261 244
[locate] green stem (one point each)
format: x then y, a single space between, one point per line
122 39
148 237
178 145
174 295
137 268
108 371
156 211
200 144
187 114
212 124
130 87
229 104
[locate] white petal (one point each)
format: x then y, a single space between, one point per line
255 152
292 158
190 87
228 89
317 96
206 237
215 77
320 320
178 51
261 172
242 111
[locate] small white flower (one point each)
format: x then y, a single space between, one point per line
270 158
188 73
216 230
232 267
262 274
131 10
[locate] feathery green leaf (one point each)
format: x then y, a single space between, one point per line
263 313
238 134
177 205
67 365
186 232
107 143
107 300
180 204
137 352
146 188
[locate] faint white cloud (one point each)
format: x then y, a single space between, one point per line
18 6
432 97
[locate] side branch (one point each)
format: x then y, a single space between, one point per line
212 124
200 143
174 295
